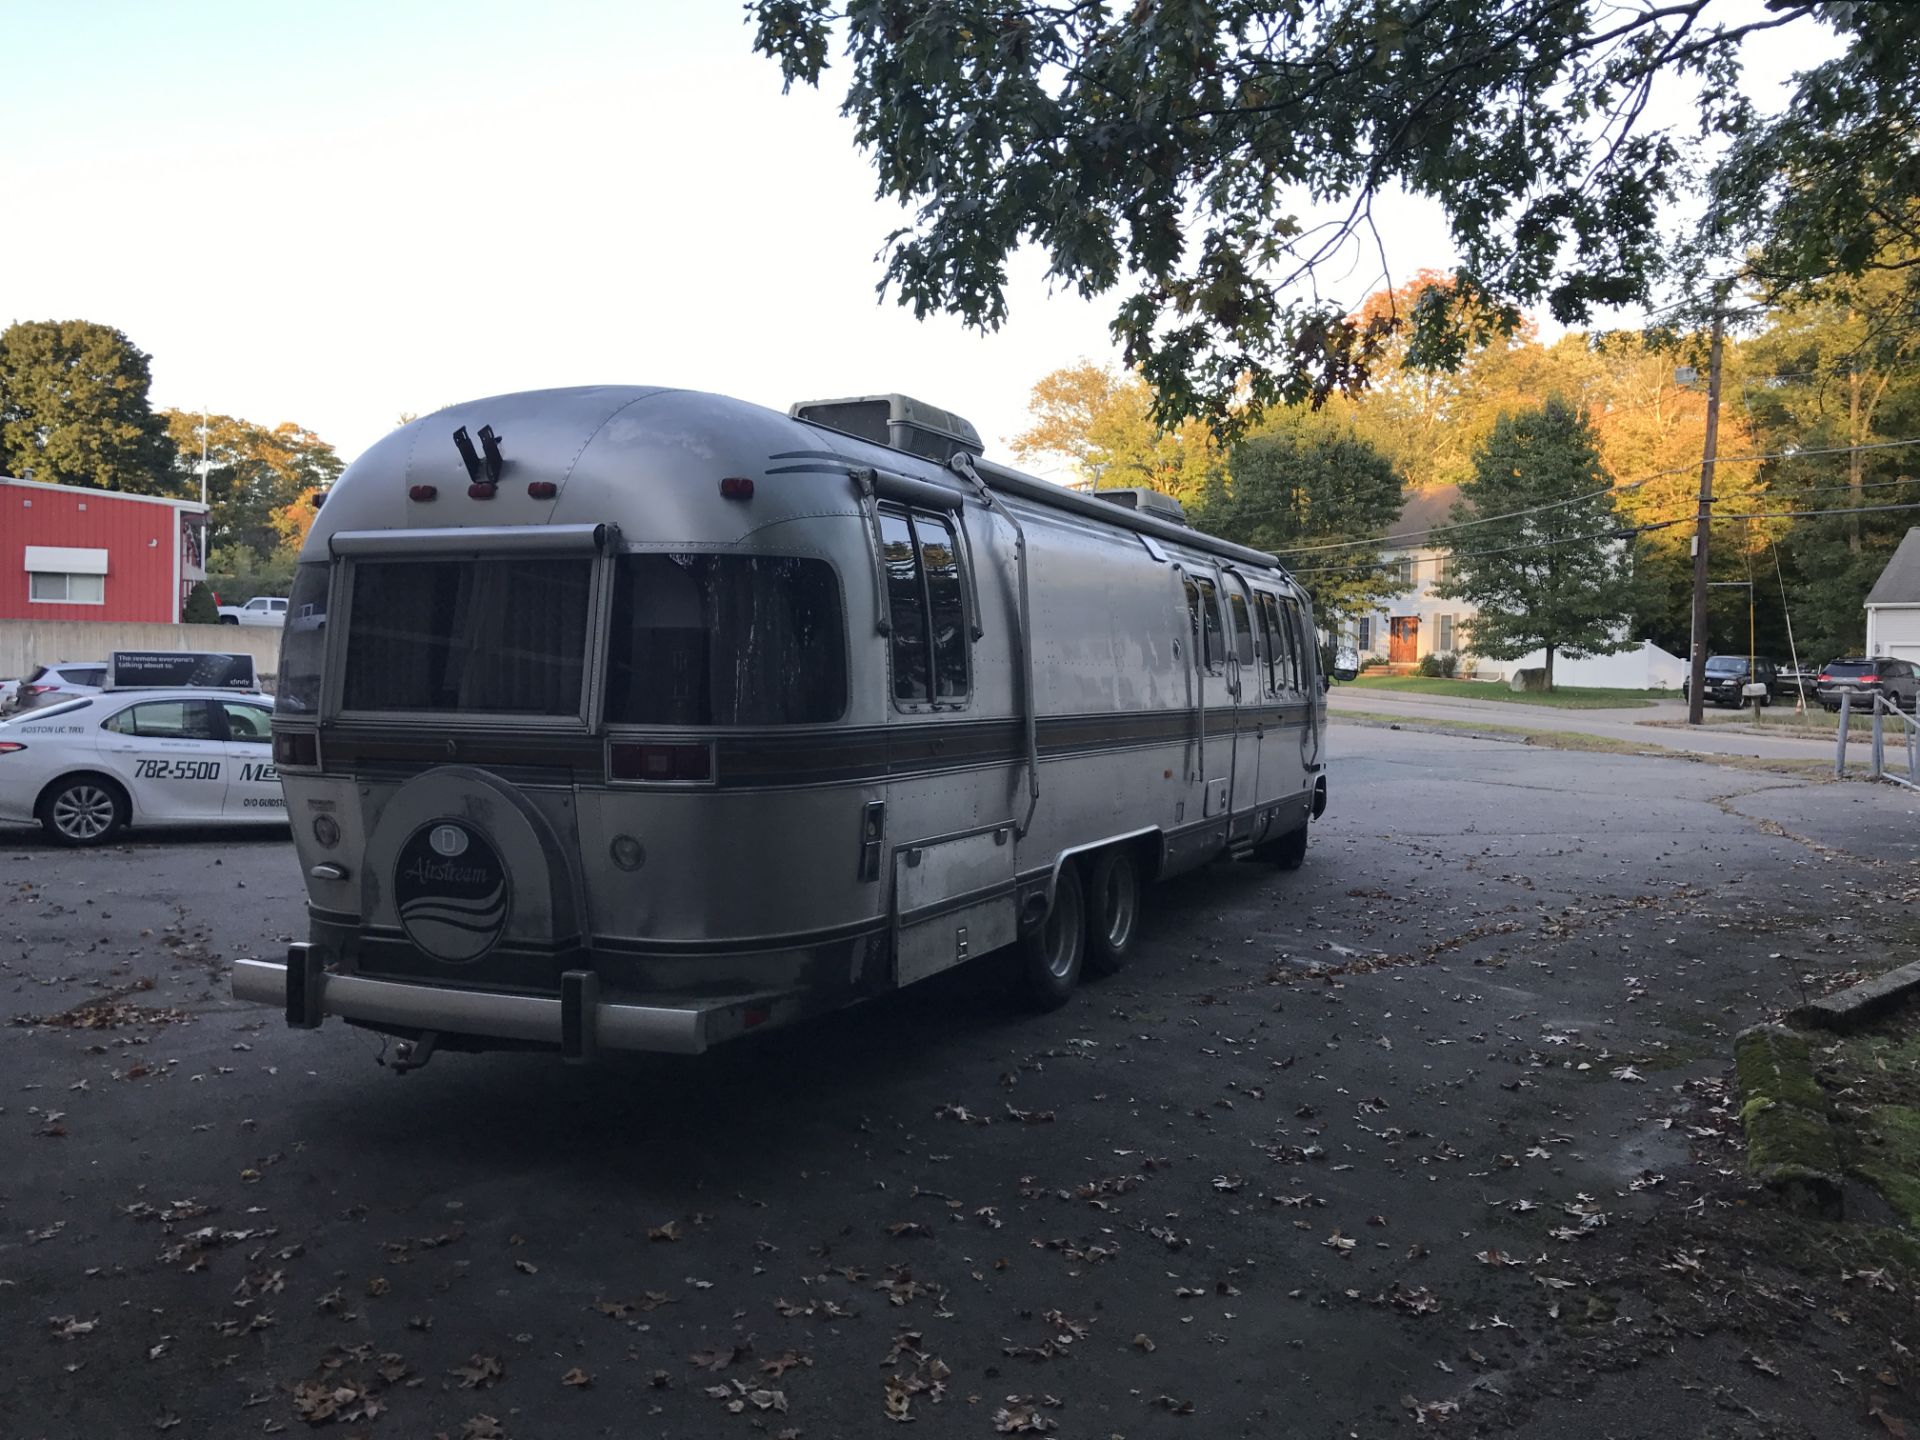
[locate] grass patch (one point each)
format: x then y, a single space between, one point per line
1569 699
1888 1157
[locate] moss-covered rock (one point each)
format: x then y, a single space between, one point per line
1887 1156
1790 1145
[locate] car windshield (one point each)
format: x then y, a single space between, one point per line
1727 665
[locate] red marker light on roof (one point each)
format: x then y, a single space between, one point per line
481 490
543 489
422 492
737 487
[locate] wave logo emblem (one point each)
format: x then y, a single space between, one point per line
452 892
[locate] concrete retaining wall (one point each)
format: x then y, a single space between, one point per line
27 643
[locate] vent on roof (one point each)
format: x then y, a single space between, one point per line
897 421
1148 502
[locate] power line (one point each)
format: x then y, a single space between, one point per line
1398 541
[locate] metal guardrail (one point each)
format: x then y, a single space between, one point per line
1909 739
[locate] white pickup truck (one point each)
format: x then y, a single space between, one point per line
260 610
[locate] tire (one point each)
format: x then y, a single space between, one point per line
1052 952
229 620
1113 910
82 810
1289 852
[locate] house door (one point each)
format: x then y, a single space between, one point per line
1403 639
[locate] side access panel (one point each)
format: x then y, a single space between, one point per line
952 899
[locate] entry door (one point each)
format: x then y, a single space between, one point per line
253 784
166 750
1403 639
1245 672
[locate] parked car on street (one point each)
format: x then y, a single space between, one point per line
260 610
1790 679
1864 676
50 684
1728 677
88 766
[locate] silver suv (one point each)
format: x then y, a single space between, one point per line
50 684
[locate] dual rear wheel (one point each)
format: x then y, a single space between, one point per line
1089 927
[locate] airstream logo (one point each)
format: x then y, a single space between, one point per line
451 890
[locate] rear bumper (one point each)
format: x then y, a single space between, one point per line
577 1022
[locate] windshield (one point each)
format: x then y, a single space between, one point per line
303 643
502 635
1727 665
725 640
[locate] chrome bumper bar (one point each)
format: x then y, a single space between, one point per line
576 1022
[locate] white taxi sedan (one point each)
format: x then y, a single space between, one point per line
86 767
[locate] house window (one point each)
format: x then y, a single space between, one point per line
66 575
1364 640
1446 632
63 589
1405 572
1439 568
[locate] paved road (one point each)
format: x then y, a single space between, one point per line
1635 725
1422 1126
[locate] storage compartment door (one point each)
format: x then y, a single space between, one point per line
952 899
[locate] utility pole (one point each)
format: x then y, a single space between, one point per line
1696 702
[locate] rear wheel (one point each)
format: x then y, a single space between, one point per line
1052 951
82 810
1289 852
1113 910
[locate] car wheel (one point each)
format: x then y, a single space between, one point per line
82 810
1051 952
1113 910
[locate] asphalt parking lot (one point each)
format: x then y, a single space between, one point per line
1434 1134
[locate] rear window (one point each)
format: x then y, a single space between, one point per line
47 712
500 635
726 640
1846 668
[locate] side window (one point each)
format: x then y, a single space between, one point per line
1280 657
248 723
1212 648
1242 628
926 606
165 720
1293 625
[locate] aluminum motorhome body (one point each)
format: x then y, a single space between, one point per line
655 717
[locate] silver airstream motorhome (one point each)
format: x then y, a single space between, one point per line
655 717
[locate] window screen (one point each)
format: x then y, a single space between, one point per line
926 607
726 640
503 635
1293 625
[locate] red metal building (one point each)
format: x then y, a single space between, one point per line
69 553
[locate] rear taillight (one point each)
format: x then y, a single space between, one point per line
296 747
1869 679
1823 678
7 747
40 689
662 762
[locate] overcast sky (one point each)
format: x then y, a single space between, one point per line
335 212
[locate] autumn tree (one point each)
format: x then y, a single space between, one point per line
1539 551
74 410
1310 488
1103 423
1214 168
254 473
